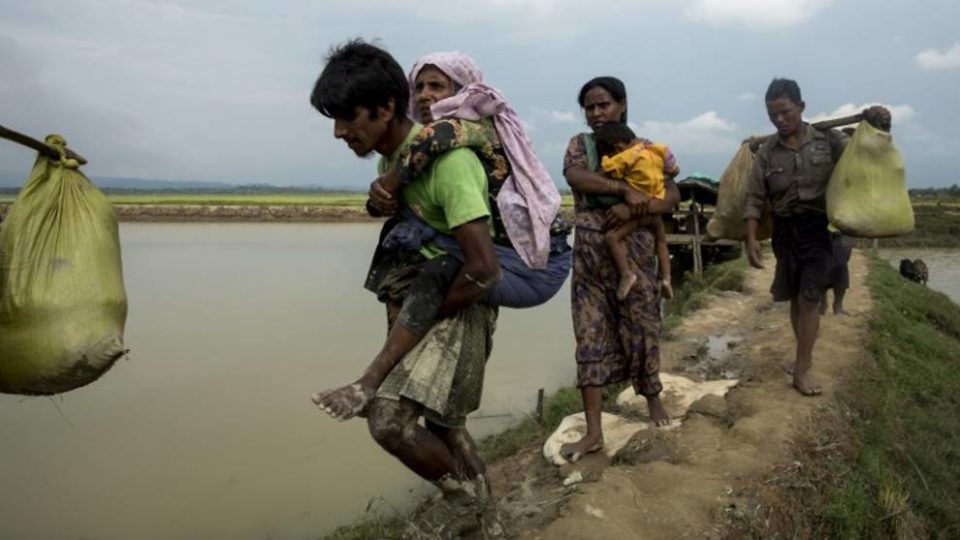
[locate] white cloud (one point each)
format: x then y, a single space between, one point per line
557 117
519 20
747 96
707 133
757 14
898 113
934 59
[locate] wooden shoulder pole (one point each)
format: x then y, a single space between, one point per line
41 147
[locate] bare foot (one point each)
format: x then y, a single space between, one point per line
840 311
345 402
804 385
572 452
658 414
666 290
789 368
626 283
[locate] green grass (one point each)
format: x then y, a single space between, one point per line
937 225
905 481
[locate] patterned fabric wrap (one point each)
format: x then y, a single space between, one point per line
529 200
616 341
444 372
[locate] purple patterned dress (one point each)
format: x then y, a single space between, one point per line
616 340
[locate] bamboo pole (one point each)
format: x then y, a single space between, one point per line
697 246
756 140
39 146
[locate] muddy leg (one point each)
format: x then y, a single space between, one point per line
393 425
407 325
350 400
463 449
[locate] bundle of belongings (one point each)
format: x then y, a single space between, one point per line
867 195
62 300
727 221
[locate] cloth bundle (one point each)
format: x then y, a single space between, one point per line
727 221
62 302
867 195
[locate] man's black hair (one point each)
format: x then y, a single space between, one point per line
359 74
608 134
611 84
787 88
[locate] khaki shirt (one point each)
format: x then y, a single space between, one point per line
793 181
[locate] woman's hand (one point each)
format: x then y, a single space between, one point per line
616 215
383 193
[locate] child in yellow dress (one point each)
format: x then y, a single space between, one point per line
644 165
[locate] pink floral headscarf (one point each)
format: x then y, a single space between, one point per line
528 200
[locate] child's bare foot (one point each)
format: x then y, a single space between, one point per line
345 402
789 368
666 290
658 414
626 283
572 452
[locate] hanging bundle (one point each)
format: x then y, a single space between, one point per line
727 221
867 195
62 300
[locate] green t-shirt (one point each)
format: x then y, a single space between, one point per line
451 192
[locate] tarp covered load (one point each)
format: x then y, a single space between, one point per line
62 301
727 221
867 195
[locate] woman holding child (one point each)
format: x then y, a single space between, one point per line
617 340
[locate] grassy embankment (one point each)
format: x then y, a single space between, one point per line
530 430
937 226
883 460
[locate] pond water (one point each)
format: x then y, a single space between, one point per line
206 431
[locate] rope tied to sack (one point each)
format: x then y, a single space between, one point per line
58 143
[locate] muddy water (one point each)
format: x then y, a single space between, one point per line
943 264
206 431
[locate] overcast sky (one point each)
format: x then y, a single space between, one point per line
218 89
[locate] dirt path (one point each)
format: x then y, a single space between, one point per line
680 483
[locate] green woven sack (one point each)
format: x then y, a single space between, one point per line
867 195
62 301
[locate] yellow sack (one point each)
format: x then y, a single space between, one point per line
727 221
867 195
62 301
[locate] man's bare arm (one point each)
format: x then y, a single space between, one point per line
481 268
